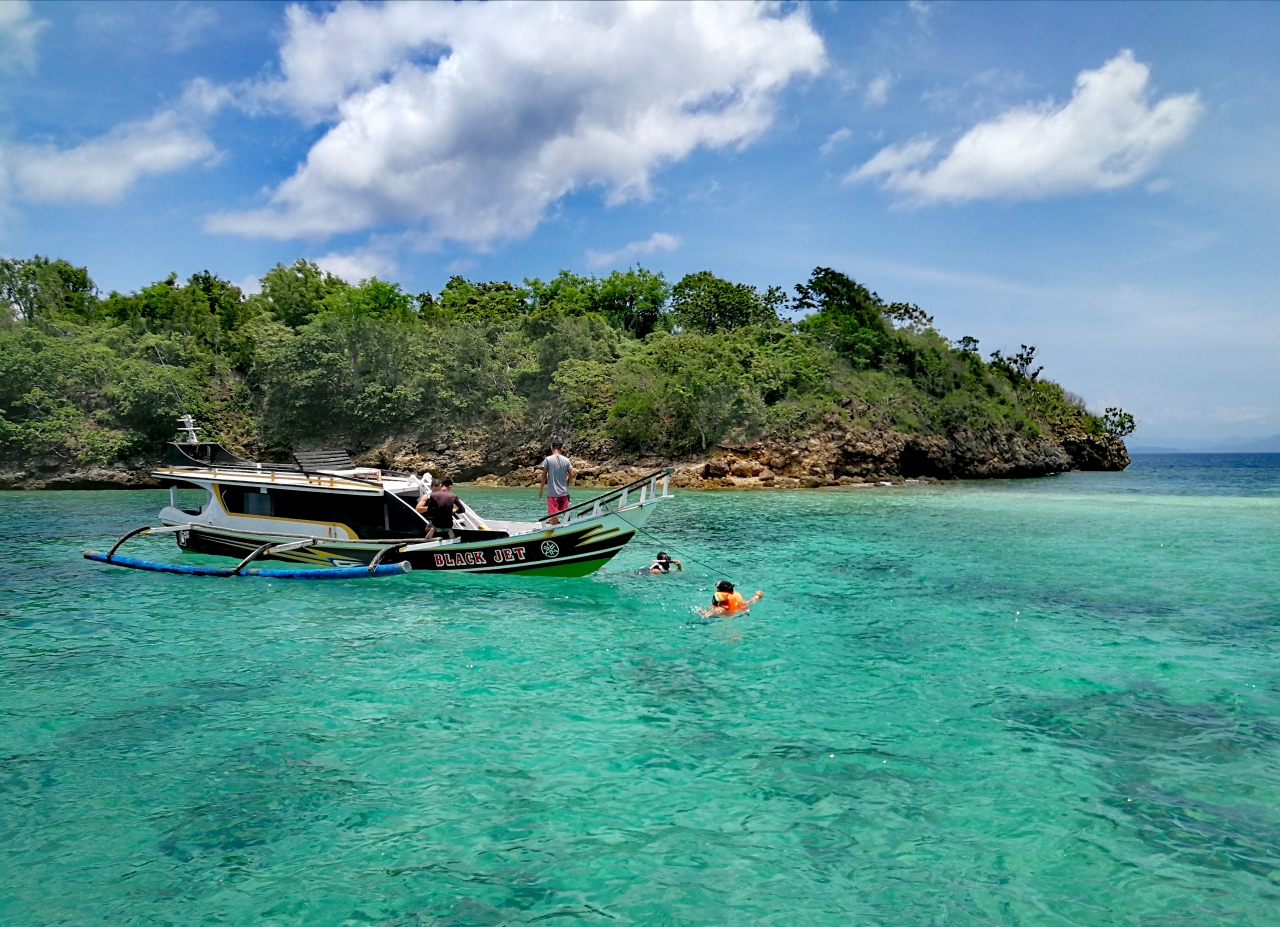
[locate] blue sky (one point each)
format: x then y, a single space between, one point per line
1098 180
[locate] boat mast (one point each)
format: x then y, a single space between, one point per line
187 428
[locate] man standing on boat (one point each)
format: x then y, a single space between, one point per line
439 509
556 474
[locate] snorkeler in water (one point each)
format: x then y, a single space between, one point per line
726 602
663 563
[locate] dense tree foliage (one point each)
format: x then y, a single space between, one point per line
1118 422
628 360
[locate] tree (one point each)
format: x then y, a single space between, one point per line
496 300
908 316
373 298
31 287
847 316
831 293
635 300
683 393
223 298
364 318
585 389
627 357
1017 367
566 292
294 294
64 287
19 291
702 302
1118 422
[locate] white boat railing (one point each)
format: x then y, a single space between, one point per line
653 486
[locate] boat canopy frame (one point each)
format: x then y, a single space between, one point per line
615 500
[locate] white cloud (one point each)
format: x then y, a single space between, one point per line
360 264
877 92
18 33
658 241
189 25
895 159
923 12
250 285
1107 136
834 139
469 120
102 169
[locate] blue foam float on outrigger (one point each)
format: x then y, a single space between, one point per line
358 572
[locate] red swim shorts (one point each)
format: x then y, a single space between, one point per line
557 504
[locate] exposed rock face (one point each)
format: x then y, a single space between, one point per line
842 458
1096 452
837 457
43 476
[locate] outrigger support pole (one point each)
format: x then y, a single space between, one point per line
381 555
134 533
145 529
239 567
271 548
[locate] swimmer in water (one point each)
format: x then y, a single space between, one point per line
726 603
663 563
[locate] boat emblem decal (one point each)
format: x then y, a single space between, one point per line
550 549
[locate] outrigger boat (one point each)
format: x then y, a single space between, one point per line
331 519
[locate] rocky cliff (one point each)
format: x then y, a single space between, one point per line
54 473
834 457
830 458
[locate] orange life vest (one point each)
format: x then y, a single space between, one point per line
730 601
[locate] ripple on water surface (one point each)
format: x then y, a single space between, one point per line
1049 701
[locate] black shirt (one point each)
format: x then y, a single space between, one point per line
441 505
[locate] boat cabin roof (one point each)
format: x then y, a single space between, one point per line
210 462
203 453
269 479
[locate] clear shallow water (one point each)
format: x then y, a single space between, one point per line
1040 702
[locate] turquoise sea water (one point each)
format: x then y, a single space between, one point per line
1039 702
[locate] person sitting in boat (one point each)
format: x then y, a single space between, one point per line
726 602
664 562
439 509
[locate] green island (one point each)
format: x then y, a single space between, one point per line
825 384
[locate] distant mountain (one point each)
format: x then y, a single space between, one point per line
1269 445
1156 449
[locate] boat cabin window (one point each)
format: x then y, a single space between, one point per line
180 497
240 500
203 504
258 503
384 516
